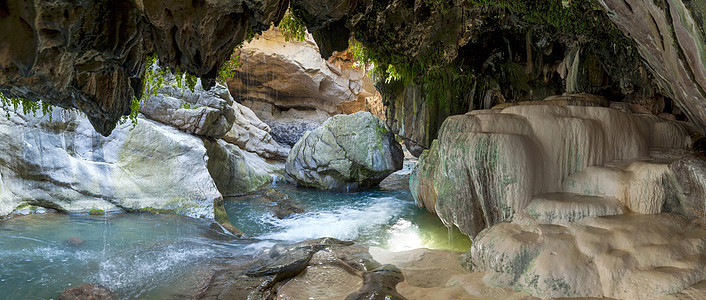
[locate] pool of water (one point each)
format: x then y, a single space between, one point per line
135 255
163 256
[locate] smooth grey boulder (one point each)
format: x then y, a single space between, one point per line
232 170
347 153
201 112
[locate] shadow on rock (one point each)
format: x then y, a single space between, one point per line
321 268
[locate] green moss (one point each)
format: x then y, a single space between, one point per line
96 212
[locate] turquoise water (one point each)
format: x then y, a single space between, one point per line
135 255
163 256
387 219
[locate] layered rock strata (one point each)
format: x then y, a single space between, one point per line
292 89
623 256
671 38
200 112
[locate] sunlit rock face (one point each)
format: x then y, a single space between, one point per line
212 114
506 157
671 38
90 54
622 257
347 153
59 161
292 89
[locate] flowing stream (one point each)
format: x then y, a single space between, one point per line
169 256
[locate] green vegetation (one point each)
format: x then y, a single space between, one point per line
292 27
27 106
96 212
446 82
153 79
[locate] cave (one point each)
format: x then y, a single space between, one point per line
394 149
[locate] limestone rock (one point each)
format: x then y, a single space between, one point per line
505 157
644 187
408 116
61 162
206 113
566 207
292 89
690 176
347 153
562 100
253 135
90 54
623 257
232 171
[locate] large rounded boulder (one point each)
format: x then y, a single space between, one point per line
347 153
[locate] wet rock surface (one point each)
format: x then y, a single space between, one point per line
671 38
59 161
280 204
293 271
690 175
91 291
347 153
251 134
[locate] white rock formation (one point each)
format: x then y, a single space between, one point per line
570 201
253 135
59 161
623 257
63 163
508 156
206 113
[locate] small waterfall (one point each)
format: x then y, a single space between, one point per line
450 236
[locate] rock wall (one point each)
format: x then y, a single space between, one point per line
292 89
58 161
671 38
